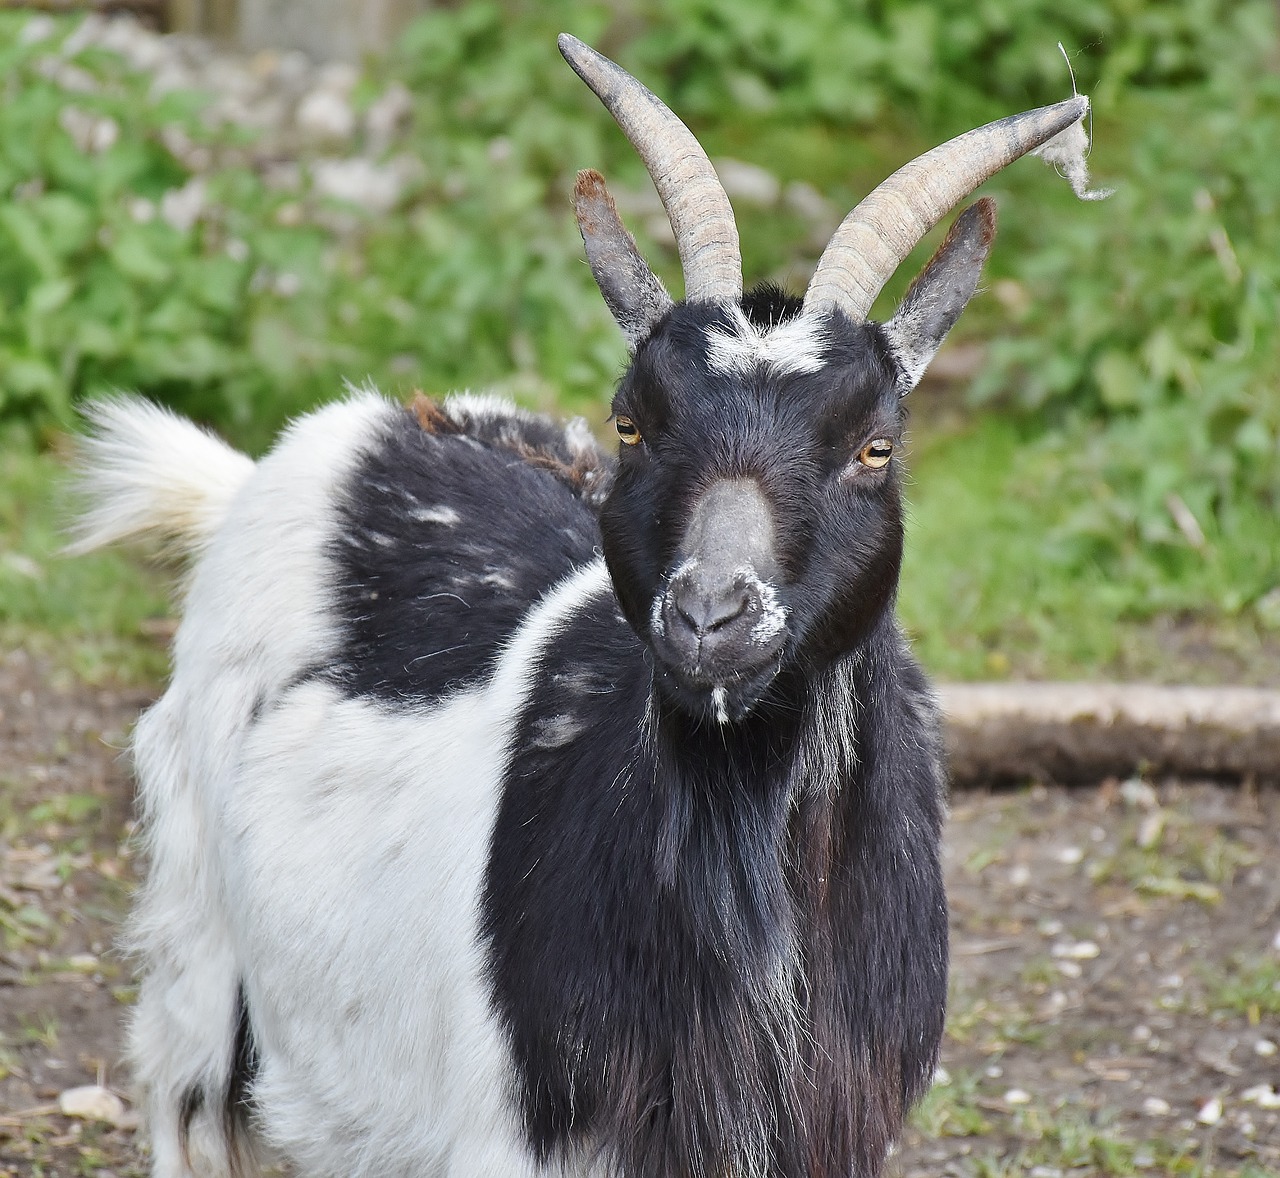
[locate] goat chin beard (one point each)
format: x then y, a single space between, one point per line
727 701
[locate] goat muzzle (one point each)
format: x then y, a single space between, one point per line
720 618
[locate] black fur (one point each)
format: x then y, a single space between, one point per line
716 948
188 1109
428 604
237 1101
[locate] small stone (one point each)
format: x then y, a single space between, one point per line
1017 1096
1135 792
391 108
806 200
1150 829
748 183
1076 950
326 115
1263 1095
1210 1112
373 187
1153 1106
182 207
37 29
92 1103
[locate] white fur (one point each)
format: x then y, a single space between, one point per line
1068 150
794 346
773 614
327 856
357 839
146 471
255 615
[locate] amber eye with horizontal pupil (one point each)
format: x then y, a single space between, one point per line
627 430
876 454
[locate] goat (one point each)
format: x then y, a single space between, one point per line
519 809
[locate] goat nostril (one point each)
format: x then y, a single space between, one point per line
704 612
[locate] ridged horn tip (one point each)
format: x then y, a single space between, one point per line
696 204
876 236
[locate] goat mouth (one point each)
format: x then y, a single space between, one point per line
722 698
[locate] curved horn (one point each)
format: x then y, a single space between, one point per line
706 234
873 239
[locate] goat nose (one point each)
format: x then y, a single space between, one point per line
704 608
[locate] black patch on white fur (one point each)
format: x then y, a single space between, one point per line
427 603
237 1103
189 1106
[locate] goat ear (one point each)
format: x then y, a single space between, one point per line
940 291
632 292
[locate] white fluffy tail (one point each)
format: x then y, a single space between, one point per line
147 474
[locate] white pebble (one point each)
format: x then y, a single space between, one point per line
1210 1112
1138 793
92 1103
1076 950
1150 829
1153 1106
748 183
183 207
374 187
1263 1095
327 115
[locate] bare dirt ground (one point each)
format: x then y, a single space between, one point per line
1116 997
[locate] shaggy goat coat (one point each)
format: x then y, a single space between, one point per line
442 883
518 811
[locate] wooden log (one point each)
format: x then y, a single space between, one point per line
1073 732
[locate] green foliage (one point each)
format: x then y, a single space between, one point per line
264 300
1001 576
1134 345
1159 323
855 60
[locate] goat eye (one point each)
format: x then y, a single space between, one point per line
876 454
627 430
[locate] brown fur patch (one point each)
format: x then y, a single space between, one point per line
577 475
431 416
